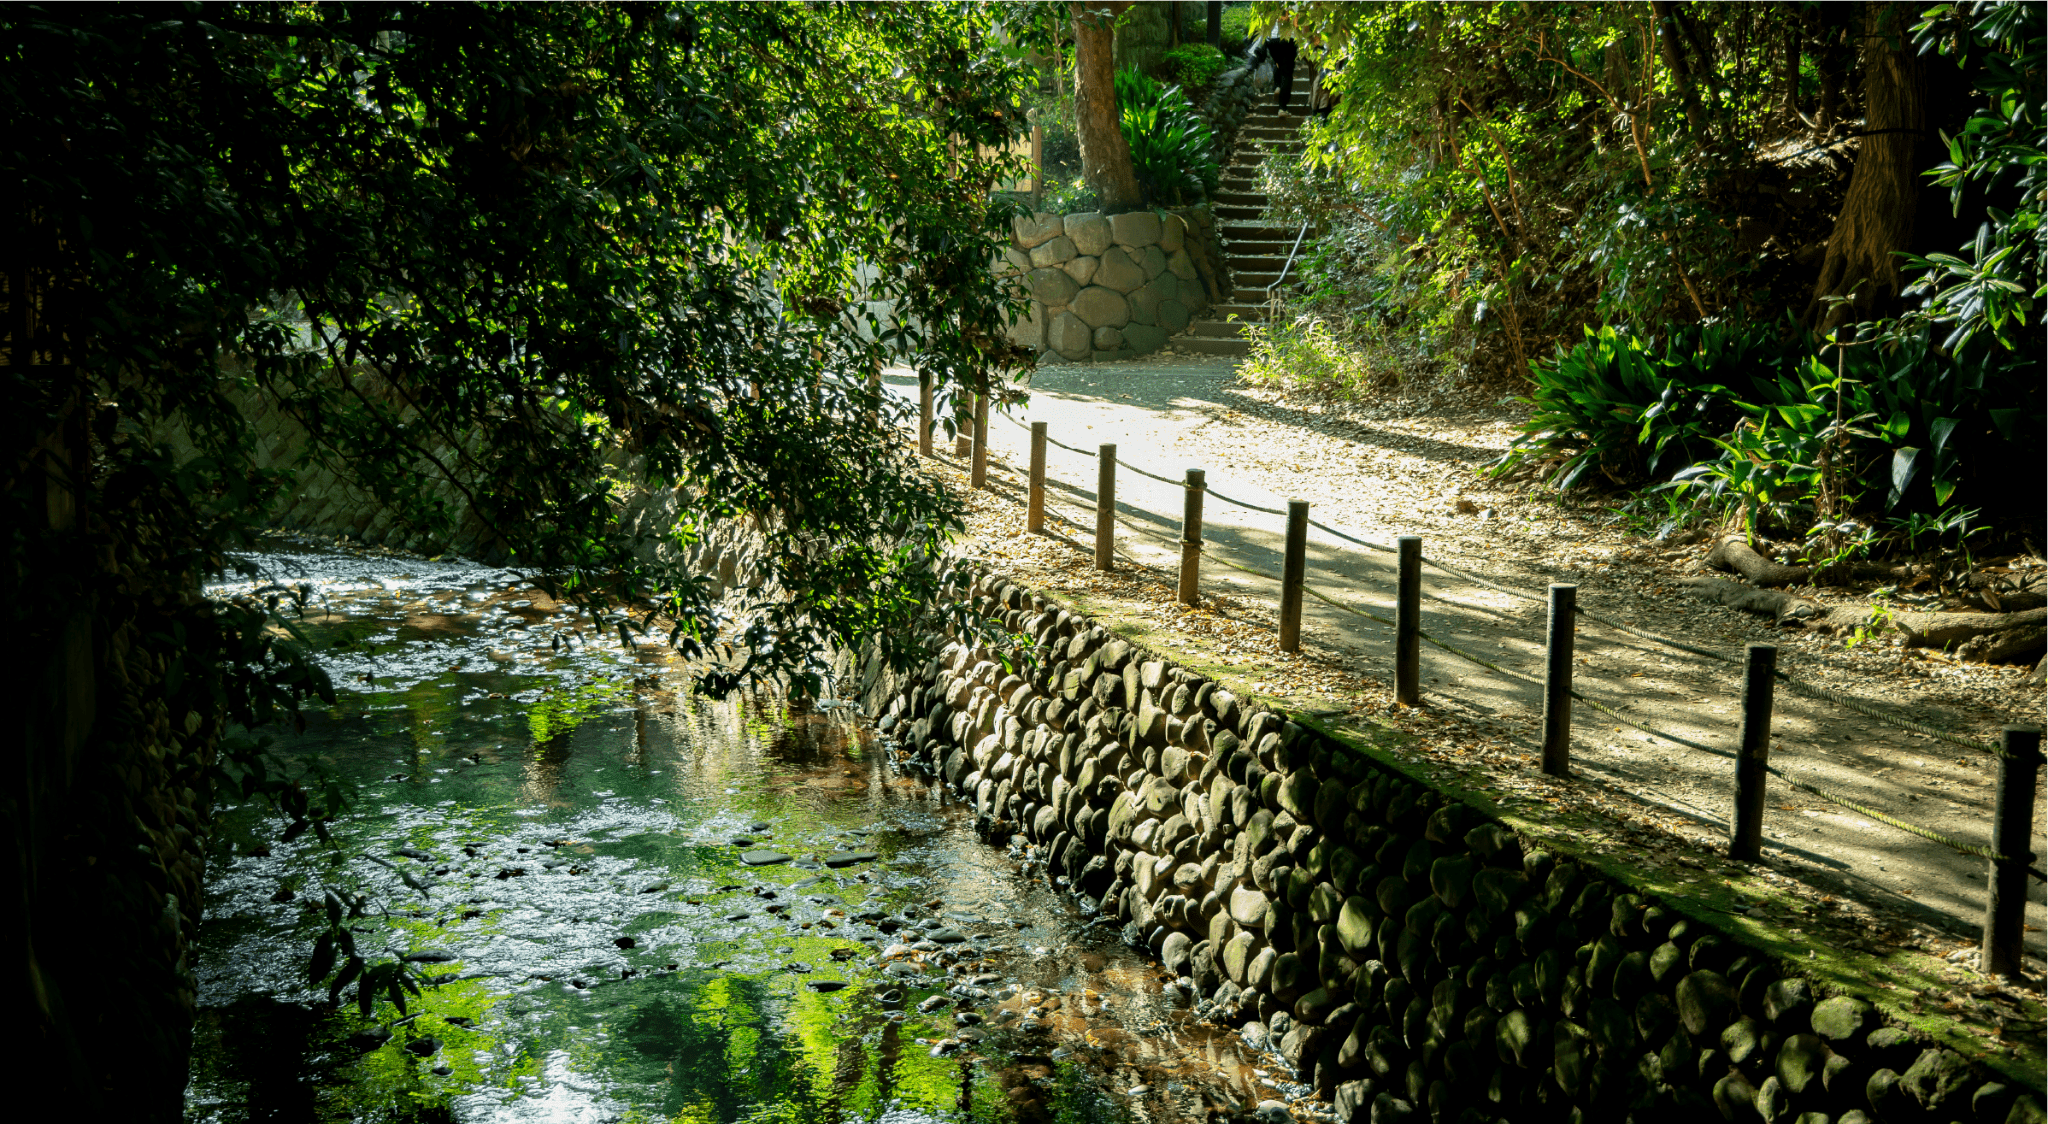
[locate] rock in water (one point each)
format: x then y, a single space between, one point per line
763 857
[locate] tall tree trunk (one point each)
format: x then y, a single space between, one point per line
1215 23
1669 41
1876 221
1105 155
1788 76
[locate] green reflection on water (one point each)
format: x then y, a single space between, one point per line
735 1033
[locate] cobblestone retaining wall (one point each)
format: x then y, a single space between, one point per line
1394 946
1107 287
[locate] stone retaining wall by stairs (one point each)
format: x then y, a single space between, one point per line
1397 948
1109 287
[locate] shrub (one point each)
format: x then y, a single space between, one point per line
1192 66
1626 406
1172 150
1303 353
1237 26
1748 415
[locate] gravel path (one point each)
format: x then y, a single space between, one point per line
1379 478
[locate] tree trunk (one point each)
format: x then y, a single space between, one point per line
1105 155
1788 76
1216 23
1884 191
1674 57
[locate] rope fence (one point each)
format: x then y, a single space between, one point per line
2018 756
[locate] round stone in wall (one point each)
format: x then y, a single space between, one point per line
1069 336
1173 316
1053 251
1144 338
1181 265
1152 260
1052 286
1172 230
1082 269
1099 307
1136 228
1118 271
1192 294
1108 339
1145 302
1034 229
1090 232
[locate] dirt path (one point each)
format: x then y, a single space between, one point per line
1378 478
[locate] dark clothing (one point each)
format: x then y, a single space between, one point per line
1281 52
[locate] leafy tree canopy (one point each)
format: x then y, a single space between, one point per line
527 255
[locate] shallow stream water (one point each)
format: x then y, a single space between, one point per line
630 903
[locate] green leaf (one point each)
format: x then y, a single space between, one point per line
1905 465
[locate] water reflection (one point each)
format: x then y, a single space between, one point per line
602 949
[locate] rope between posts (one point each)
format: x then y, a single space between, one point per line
1485 663
1810 690
1867 711
1929 834
1834 798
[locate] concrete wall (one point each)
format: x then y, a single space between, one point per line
1394 946
1108 287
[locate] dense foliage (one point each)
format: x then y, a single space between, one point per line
503 249
1192 66
1172 148
1633 186
1751 417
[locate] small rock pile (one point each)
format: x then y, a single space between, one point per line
1401 952
1109 287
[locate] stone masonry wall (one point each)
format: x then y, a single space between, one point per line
1107 287
1394 946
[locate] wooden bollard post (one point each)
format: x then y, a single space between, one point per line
1408 620
1293 571
1105 508
2012 834
924 413
1191 536
978 474
1557 682
1746 836
1034 514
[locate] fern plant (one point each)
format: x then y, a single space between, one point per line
1173 152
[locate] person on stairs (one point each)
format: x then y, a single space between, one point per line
1280 53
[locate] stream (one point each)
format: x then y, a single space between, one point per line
631 903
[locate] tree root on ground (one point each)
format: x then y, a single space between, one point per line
1733 553
1775 604
1979 637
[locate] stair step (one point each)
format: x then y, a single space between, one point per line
1214 330
1239 199
1227 212
1203 345
1240 264
1234 233
1275 251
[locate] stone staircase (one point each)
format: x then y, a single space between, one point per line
1253 251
